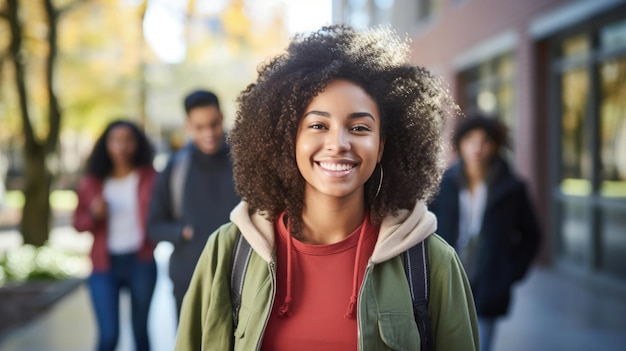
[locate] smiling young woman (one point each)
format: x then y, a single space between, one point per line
336 147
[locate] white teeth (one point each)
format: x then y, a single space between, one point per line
335 166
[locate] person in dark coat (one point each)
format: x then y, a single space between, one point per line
484 211
195 193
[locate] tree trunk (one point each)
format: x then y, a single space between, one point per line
36 214
35 224
54 111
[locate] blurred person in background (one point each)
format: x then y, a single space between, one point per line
484 211
195 192
327 231
113 198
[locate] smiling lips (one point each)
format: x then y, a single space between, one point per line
336 169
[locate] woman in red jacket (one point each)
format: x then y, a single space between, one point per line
113 200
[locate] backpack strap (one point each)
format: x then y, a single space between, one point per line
416 269
418 277
180 168
241 257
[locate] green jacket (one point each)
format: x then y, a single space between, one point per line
385 315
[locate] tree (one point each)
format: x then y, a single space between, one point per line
67 70
38 150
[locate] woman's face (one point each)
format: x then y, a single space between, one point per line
121 145
476 148
338 143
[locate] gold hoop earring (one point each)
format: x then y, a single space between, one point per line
380 183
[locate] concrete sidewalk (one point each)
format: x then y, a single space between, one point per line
552 310
70 324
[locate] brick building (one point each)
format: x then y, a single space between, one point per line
555 72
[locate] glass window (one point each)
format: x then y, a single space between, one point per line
575 155
613 259
590 72
575 235
488 87
504 66
613 128
575 46
504 108
613 35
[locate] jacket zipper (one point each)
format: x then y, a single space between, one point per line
368 269
272 265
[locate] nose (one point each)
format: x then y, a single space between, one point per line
475 146
338 140
208 133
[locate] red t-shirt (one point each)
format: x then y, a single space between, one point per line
321 283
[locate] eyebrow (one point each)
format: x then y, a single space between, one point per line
352 115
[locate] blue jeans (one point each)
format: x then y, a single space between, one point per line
486 330
139 277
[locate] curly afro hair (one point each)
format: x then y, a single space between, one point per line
99 163
496 131
412 105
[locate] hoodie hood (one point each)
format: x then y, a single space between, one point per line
397 233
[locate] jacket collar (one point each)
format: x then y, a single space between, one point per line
499 180
398 232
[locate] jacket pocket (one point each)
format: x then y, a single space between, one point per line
398 331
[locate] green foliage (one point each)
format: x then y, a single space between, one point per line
59 199
38 263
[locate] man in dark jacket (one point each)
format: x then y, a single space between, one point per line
484 211
195 193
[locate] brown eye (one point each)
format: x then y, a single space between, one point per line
361 129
